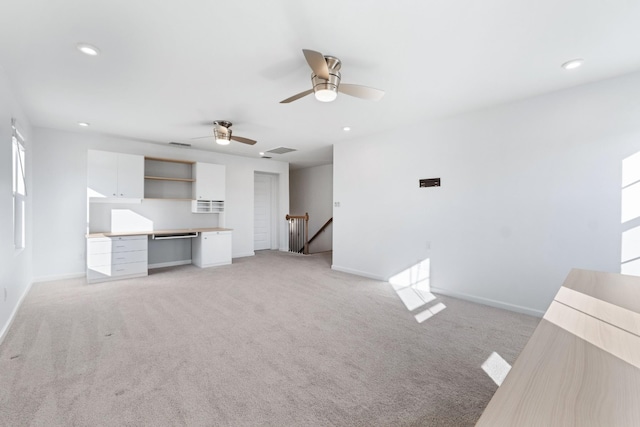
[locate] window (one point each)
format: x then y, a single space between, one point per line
19 188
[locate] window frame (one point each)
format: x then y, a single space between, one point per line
19 187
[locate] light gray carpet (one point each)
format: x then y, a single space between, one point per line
276 339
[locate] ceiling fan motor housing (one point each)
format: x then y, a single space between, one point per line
331 85
322 84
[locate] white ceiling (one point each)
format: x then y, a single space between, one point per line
168 68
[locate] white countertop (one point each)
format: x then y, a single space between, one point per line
152 232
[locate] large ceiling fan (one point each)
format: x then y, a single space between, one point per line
223 134
326 81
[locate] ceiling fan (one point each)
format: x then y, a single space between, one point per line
326 81
223 134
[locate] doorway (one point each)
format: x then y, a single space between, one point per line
265 203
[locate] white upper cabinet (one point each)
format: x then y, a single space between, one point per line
130 176
115 175
102 174
209 181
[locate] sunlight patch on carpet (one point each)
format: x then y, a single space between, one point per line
496 367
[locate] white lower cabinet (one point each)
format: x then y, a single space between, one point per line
112 258
211 248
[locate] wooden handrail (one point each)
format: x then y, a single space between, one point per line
305 217
326 224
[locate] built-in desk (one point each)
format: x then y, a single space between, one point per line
581 366
123 255
155 232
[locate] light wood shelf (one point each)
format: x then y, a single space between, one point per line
167 198
161 159
169 179
163 178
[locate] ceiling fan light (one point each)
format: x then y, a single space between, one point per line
88 49
222 138
573 64
326 95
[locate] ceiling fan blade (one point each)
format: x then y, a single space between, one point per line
297 96
243 140
317 63
363 92
203 137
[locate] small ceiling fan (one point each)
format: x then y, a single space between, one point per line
223 134
326 81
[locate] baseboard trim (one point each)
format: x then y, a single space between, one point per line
169 264
41 279
357 273
5 328
459 295
489 302
244 254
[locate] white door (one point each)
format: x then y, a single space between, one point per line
262 218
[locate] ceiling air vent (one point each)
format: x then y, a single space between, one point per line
281 150
180 144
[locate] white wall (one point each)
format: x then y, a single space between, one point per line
529 191
60 209
311 190
15 265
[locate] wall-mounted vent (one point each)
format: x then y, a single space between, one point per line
281 150
180 144
430 182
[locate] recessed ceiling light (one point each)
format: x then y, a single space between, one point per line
262 153
346 128
83 124
574 63
88 49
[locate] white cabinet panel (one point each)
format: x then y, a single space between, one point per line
106 273
109 258
130 176
210 181
114 175
102 174
211 249
117 258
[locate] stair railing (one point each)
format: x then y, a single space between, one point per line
298 233
326 224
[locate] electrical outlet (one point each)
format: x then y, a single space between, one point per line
336 204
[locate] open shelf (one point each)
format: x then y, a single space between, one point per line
168 179
162 178
161 159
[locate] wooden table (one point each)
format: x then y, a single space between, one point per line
581 366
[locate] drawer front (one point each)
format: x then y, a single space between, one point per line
108 245
111 272
97 259
132 268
